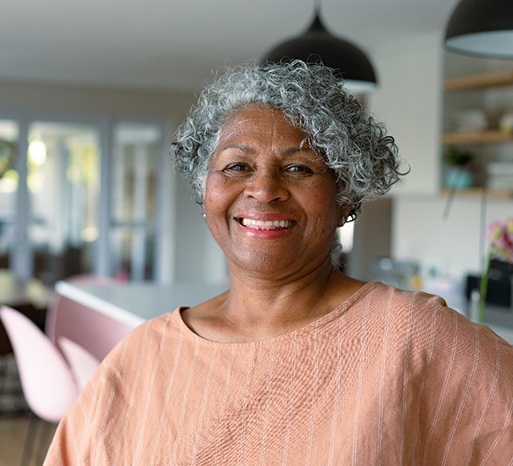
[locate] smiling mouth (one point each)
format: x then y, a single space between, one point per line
265 225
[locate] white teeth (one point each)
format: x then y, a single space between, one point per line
267 225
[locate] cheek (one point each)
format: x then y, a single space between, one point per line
321 204
217 195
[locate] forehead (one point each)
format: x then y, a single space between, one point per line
259 120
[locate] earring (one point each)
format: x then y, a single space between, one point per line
204 215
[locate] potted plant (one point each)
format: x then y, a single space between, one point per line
459 172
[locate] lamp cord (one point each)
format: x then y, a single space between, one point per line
317 8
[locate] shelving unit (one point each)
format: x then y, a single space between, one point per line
485 137
482 137
498 194
479 81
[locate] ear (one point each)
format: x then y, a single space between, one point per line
344 212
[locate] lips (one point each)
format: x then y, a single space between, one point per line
265 224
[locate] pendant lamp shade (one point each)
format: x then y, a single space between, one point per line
482 28
317 45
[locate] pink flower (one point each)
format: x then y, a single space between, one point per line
509 229
500 236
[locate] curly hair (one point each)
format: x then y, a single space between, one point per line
352 144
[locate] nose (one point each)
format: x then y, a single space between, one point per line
266 186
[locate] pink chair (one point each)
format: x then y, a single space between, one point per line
82 363
46 379
94 331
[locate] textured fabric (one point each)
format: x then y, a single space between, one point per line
388 378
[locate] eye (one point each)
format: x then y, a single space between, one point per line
299 169
236 168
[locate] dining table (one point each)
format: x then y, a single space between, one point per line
137 301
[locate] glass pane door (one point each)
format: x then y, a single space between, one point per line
63 184
8 188
134 218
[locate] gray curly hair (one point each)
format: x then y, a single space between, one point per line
352 144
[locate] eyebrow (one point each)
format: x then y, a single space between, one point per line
305 148
240 147
248 150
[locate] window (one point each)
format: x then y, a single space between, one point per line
83 197
63 176
8 188
134 216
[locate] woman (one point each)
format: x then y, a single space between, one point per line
297 363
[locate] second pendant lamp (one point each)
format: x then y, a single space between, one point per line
482 28
318 45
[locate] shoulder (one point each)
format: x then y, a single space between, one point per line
407 309
165 326
428 326
153 341
416 308
450 343
145 339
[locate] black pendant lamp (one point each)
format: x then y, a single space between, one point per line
482 28
317 45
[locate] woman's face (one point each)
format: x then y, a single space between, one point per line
269 199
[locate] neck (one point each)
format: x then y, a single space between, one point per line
265 308
259 308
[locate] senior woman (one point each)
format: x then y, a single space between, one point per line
297 363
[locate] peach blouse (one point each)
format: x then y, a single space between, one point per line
388 378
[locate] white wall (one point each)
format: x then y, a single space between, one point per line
38 97
197 255
409 101
452 243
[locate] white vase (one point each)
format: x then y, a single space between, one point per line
458 178
474 305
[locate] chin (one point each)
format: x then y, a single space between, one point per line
273 265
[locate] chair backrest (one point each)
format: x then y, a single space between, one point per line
46 379
94 331
82 363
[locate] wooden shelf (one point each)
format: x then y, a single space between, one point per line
479 192
479 81
482 137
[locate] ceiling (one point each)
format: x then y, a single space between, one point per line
175 44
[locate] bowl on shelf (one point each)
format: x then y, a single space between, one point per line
469 121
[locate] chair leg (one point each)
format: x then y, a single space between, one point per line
38 437
3 374
45 438
12 400
30 438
